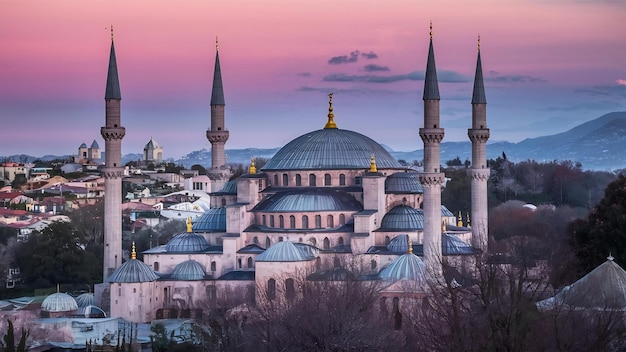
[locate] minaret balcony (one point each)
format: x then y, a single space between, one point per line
112 133
429 179
432 135
217 136
480 135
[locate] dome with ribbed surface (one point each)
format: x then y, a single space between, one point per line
213 220
316 199
133 270
187 242
285 251
59 302
85 300
404 182
407 267
403 218
399 244
452 245
230 187
331 149
188 270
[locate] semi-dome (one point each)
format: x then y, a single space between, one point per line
85 300
403 183
285 251
59 302
188 270
403 218
133 270
187 242
407 267
452 245
399 244
213 220
91 311
315 199
331 149
229 188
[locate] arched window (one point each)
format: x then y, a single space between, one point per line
336 262
298 180
326 180
285 180
340 241
156 266
281 221
318 221
330 222
387 240
271 289
255 240
239 263
312 180
223 202
213 266
342 219
249 262
290 289
397 316
373 264
342 180
275 180
268 242
305 222
383 306
271 220
292 222
326 243
313 241
263 221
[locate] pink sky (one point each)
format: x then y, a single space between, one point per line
549 66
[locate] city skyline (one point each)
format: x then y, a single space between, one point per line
549 66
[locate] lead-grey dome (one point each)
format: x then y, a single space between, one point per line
85 300
403 183
407 267
286 251
316 199
59 302
213 220
331 149
133 270
403 218
188 270
187 242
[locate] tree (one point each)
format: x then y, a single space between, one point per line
201 170
9 339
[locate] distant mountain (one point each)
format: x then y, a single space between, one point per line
597 144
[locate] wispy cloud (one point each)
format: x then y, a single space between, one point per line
618 90
303 74
344 59
444 76
370 55
587 106
374 68
516 79
621 82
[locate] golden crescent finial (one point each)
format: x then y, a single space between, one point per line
133 253
217 44
431 30
111 32
331 122
479 42
189 224
373 167
410 243
252 169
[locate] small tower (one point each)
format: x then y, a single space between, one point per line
478 135
152 151
94 151
112 133
432 178
217 134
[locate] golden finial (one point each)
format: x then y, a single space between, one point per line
459 223
610 257
331 122
468 220
111 32
133 253
410 246
479 42
217 44
373 167
252 169
431 30
189 226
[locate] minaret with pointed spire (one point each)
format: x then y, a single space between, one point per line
217 134
432 178
479 134
112 133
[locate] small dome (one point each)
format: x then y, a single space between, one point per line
316 199
85 299
188 270
331 149
133 270
152 144
399 244
94 145
403 218
452 245
230 187
403 183
213 220
187 242
59 302
445 212
407 267
285 251
83 145
91 311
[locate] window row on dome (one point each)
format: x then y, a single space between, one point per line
327 243
316 179
302 222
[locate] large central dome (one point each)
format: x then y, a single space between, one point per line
331 149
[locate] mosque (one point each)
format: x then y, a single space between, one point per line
329 200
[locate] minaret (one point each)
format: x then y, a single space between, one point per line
432 178
479 134
112 132
217 135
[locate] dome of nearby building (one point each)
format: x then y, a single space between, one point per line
213 220
187 242
399 244
404 183
59 302
94 145
317 199
452 245
152 144
331 149
230 187
407 267
445 212
285 251
133 270
403 218
188 270
83 145
85 299
91 311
